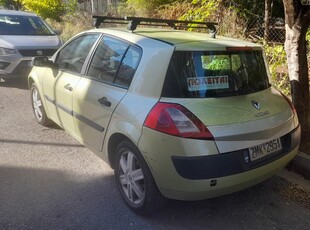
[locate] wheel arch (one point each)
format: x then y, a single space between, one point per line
30 82
114 141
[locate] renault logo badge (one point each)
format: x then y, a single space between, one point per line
256 105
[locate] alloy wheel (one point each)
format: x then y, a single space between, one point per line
131 178
37 104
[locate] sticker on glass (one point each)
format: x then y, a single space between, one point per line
207 83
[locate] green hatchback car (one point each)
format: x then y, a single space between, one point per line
177 114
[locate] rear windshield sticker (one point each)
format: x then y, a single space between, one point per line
207 83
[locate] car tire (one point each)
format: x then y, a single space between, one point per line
135 181
38 108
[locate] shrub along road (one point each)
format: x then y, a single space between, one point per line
49 181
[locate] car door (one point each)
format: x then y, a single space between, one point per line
59 83
100 91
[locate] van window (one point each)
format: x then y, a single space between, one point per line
215 74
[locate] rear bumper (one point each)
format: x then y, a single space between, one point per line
187 169
207 167
209 188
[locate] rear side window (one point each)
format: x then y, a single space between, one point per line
114 62
107 59
128 67
215 74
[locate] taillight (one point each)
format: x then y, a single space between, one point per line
176 120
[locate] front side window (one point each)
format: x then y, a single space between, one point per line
215 74
23 25
73 55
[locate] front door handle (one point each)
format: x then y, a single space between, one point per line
68 87
104 101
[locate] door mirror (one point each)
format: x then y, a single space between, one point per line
43 61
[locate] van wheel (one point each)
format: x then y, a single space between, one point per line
37 106
135 181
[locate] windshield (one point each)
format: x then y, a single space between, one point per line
215 74
23 25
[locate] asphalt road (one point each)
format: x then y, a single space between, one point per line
49 181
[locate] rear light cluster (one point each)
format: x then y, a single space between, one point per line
176 120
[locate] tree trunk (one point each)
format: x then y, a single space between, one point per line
93 8
297 21
267 19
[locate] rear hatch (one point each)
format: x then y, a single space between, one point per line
230 93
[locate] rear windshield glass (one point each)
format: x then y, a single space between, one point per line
23 25
215 74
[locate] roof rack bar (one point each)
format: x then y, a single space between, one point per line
133 22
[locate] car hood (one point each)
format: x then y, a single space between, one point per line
30 42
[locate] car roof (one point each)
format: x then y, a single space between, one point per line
182 40
15 12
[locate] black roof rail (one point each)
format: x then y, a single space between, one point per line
133 22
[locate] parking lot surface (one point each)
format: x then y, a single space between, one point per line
50 181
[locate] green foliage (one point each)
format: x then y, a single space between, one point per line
45 8
71 6
220 62
201 10
276 57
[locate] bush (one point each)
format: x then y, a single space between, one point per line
276 57
174 10
141 8
45 8
72 24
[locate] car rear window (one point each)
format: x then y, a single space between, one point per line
215 74
23 25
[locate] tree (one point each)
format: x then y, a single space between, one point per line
11 4
268 6
297 22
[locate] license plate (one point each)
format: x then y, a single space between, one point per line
259 151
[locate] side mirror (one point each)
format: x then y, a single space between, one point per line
42 61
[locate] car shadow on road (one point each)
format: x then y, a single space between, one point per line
47 198
15 83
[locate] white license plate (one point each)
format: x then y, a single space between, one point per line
259 151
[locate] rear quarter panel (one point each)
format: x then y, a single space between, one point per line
143 93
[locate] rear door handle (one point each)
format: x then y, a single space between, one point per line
68 87
104 101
